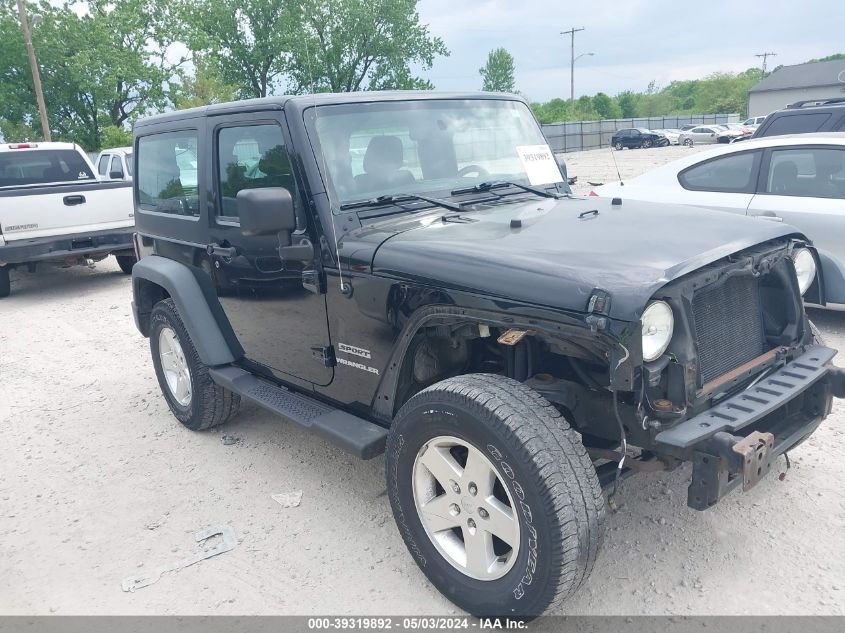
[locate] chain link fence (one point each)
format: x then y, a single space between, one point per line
575 136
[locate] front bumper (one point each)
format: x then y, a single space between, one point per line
737 440
63 246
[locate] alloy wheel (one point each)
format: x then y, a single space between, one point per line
466 508
177 373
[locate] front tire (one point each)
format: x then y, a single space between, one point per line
646 144
687 142
617 146
196 400
5 281
494 495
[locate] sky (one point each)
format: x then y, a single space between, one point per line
633 41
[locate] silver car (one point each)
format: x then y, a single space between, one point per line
797 179
700 134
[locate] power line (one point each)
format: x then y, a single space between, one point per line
571 33
765 57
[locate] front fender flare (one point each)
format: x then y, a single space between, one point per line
384 405
195 298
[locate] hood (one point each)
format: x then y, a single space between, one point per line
556 258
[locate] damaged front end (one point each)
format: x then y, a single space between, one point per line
741 381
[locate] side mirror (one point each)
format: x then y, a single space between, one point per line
267 211
116 175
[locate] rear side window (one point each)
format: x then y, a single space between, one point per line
728 174
167 173
797 124
813 172
19 168
250 157
102 165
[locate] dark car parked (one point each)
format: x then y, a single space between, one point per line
637 137
802 117
510 348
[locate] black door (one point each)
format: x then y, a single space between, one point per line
276 320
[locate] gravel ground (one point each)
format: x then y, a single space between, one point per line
98 482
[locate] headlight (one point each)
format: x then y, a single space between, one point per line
658 324
805 268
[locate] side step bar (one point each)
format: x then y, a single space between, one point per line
351 433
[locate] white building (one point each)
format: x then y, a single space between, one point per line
816 80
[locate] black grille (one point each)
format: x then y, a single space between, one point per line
728 325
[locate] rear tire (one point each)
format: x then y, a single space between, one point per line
546 485
5 281
126 262
196 400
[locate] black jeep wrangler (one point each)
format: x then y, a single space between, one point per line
408 273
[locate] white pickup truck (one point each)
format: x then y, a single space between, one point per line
54 209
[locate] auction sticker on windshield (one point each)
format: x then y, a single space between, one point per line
539 164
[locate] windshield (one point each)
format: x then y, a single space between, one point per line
428 146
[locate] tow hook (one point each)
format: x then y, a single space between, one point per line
755 451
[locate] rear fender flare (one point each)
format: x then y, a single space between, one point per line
195 298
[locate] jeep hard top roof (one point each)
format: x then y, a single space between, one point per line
301 102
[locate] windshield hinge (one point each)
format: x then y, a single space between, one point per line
324 354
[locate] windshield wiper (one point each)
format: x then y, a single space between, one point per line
396 199
498 184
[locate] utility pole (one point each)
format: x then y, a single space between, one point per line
36 76
765 56
571 33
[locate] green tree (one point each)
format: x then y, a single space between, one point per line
627 101
204 87
102 67
248 42
350 45
498 73
114 136
605 107
554 111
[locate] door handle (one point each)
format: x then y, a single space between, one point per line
221 251
769 215
71 201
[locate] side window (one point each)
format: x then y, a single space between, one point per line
250 157
102 165
807 172
167 173
116 167
728 174
797 124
